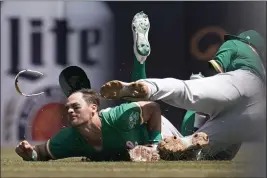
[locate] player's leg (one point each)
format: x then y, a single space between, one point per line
192 121
209 95
227 131
139 70
235 124
141 46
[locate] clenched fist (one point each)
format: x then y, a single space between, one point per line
25 150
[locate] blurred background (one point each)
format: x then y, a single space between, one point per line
48 36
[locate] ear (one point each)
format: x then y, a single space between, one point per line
93 107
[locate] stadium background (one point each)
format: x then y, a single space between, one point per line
183 36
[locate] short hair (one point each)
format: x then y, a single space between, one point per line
90 96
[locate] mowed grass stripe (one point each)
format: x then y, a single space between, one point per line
13 166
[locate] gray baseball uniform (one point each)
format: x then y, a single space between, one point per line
234 100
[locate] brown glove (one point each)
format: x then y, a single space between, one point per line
142 153
186 148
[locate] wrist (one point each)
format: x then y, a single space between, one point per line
155 137
33 157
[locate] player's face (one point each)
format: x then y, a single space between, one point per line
79 111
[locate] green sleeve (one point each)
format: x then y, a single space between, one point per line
67 143
124 117
225 54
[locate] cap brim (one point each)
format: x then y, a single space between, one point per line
72 79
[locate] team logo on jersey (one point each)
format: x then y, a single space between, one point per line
133 119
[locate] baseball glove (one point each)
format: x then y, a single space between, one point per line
175 148
142 153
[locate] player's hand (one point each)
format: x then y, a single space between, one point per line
24 150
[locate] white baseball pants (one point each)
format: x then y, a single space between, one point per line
235 102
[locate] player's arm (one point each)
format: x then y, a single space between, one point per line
67 143
151 114
32 153
129 116
223 57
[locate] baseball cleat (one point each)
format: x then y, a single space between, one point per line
140 28
121 90
182 148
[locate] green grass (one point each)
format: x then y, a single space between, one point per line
13 166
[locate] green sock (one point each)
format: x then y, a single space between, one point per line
155 137
139 70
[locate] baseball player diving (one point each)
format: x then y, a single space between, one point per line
133 131
232 101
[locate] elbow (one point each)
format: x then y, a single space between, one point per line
154 117
150 109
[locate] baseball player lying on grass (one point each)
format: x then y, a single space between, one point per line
113 133
234 100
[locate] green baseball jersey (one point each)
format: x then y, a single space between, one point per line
120 125
234 54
